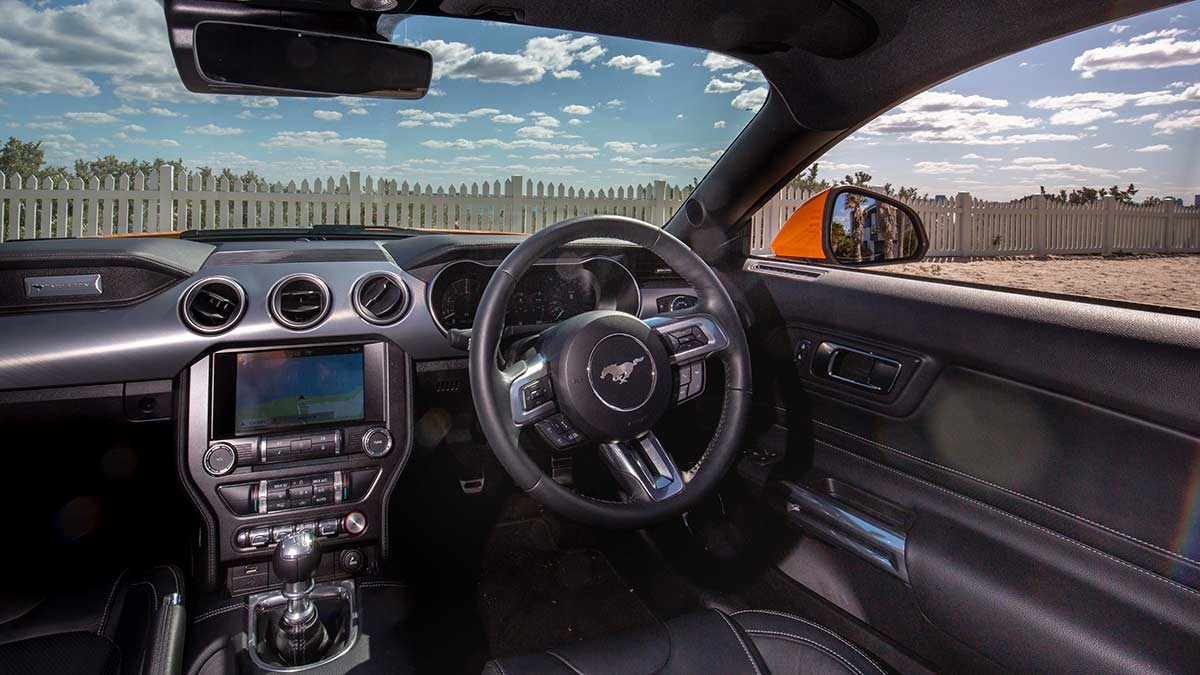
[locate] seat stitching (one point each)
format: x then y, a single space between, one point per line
1012 492
1018 519
816 625
736 634
810 643
108 604
565 662
215 612
499 667
389 584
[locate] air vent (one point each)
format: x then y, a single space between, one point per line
213 305
300 301
380 298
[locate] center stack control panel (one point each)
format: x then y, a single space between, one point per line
295 438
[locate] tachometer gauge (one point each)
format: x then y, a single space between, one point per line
459 302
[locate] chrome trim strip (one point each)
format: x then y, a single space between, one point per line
63 286
863 535
785 269
190 292
362 313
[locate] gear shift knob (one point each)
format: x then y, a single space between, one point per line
297 557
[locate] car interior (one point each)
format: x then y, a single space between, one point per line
606 446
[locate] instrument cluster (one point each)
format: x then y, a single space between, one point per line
546 294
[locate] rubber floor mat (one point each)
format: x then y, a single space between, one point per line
534 595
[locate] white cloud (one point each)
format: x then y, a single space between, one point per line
126 110
91 117
355 101
937 101
716 86
640 65
689 162
482 112
255 115
1080 116
576 109
1180 121
1160 49
213 130
1101 146
627 147
536 132
719 124
519 144
164 112
714 62
1051 167
47 126
949 126
574 121
259 102
323 139
1133 169
541 55
1033 160
938 168
156 142
981 158
614 103
750 100
357 111
133 128
1118 28
544 120
1160 147
1140 119
507 119
748 75
328 115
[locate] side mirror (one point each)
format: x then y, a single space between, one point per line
849 225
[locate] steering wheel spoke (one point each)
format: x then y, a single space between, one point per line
643 468
690 336
530 392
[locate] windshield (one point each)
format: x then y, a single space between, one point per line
522 127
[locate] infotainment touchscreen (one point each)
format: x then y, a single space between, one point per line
297 387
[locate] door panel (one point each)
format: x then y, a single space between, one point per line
1046 454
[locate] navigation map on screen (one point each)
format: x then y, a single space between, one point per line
289 388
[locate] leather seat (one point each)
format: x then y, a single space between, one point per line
756 642
119 627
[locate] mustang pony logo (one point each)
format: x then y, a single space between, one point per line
619 372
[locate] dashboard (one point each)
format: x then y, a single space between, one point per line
286 365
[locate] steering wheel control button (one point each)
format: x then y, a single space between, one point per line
220 459
622 373
557 431
536 393
376 442
355 522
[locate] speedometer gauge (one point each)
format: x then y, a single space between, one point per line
459 302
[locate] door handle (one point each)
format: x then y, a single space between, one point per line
857 367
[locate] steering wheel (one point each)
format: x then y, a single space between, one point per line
608 377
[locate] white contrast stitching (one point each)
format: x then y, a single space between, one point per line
215 612
736 634
810 643
816 625
108 604
1012 492
564 661
1006 514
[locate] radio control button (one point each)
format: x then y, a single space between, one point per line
376 442
220 459
355 522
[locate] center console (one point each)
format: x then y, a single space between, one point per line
289 439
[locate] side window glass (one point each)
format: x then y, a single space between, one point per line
1070 168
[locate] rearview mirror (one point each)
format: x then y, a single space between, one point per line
237 57
850 225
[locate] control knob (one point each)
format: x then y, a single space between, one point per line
355 522
220 459
376 442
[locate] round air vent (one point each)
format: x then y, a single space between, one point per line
300 301
213 305
380 298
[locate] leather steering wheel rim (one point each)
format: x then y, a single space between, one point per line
491 395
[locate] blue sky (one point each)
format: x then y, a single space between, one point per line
1116 104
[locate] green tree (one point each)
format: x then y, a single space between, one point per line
808 181
109 165
26 159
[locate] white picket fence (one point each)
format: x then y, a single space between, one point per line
966 227
166 202
962 227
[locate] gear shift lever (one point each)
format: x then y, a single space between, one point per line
300 637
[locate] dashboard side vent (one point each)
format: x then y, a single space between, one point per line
380 298
213 305
300 301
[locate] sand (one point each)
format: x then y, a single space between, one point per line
1171 281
